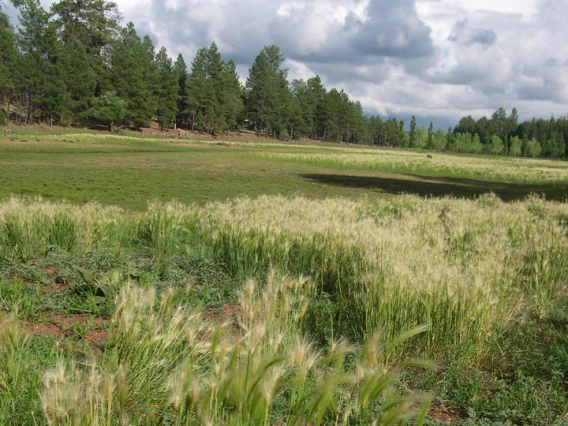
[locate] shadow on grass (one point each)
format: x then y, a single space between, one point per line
440 187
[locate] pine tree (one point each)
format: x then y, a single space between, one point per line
268 98
231 95
430 142
205 90
8 58
151 76
78 78
449 139
33 68
167 89
315 96
413 132
180 70
332 113
93 23
216 86
130 65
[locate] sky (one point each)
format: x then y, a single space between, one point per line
437 59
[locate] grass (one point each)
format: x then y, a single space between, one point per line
129 171
299 301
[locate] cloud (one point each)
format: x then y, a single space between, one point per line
464 35
392 29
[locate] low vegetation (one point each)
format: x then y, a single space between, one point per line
130 170
285 310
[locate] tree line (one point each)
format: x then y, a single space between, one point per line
76 63
503 134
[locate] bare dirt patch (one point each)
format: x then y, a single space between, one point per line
46 329
60 326
97 337
228 316
55 287
447 415
70 321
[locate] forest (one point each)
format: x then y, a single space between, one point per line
76 64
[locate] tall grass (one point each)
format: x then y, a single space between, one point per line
166 364
466 268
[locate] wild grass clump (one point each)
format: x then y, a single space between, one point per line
166 364
29 228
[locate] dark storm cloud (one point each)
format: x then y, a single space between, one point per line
463 34
483 37
392 29
188 26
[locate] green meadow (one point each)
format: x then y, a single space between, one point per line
129 171
164 281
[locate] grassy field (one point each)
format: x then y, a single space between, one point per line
130 171
288 284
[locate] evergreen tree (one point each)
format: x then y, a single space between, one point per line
449 139
33 71
300 119
78 79
93 23
376 130
393 133
231 95
500 124
267 95
167 89
150 71
315 95
197 92
216 84
361 125
180 70
8 58
213 91
483 129
430 142
332 115
130 65
413 132
561 145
